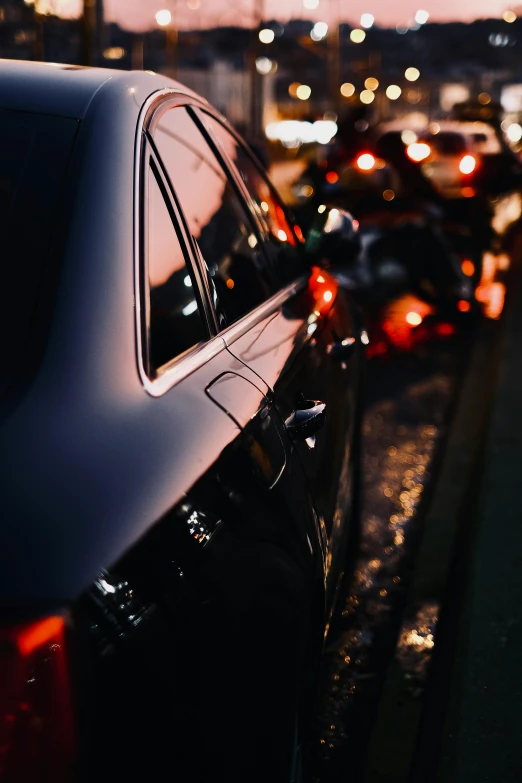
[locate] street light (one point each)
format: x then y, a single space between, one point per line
357 35
347 89
367 96
311 4
163 17
367 20
266 35
371 83
319 31
393 91
412 74
509 17
303 92
421 17
265 65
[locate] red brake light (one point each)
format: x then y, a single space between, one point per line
36 726
467 164
332 177
418 151
468 267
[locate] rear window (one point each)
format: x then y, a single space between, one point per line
447 143
34 153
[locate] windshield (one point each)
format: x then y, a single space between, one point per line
34 153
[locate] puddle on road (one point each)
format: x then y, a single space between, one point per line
401 434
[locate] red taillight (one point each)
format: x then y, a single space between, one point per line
36 723
468 267
467 164
418 151
332 177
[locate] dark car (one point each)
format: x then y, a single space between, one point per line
179 440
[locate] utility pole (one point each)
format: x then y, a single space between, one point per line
100 32
256 87
169 21
88 32
38 47
172 43
334 57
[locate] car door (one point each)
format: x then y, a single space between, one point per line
193 643
306 346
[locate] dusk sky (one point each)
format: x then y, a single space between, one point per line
139 14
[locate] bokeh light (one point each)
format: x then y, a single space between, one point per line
347 89
393 91
357 35
266 35
412 74
303 92
367 96
163 17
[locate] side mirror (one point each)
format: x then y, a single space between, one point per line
333 237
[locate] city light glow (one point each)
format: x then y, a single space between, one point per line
467 164
357 35
393 91
418 151
408 136
509 17
293 133
421 17
264 65
266 35
163 17
366 161
367 20
114 53
367 96
311 4
303 92
412 74
319 31
347 89
514 132
371 83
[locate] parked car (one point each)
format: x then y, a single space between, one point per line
179 439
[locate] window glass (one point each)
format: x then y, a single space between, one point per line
268 205
175 320
216 216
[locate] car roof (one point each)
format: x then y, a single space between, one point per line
67 90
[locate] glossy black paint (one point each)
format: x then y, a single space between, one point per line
195 543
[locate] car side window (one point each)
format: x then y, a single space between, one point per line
216 216
176 324
281 236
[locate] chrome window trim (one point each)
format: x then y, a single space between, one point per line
264 310
186 364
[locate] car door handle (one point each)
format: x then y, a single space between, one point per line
341 349
306 420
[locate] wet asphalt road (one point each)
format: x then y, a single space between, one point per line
409 403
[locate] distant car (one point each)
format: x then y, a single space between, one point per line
451 154
179 439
